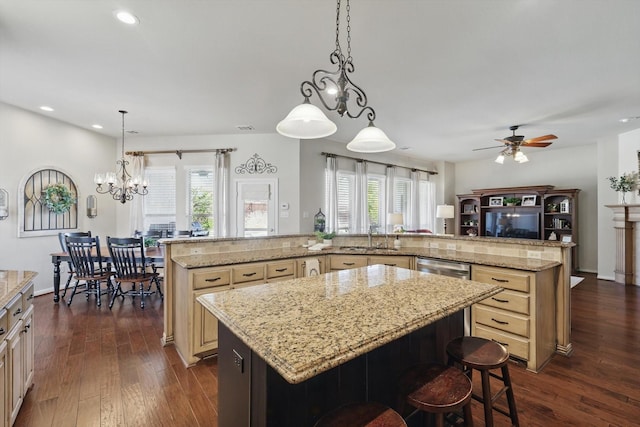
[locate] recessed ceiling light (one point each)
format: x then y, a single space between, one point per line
46 108
126 17
96 126
629 119
405 148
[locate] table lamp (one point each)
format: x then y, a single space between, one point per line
396 220
444 212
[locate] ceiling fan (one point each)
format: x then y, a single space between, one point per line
512 144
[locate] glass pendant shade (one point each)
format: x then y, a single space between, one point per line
371 140
500 158
306 121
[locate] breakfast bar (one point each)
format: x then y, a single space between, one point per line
290 351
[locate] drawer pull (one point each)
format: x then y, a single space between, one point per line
30 297
26 328
500 342
213 279
18 311
500 280
280 270
2 331
348 263
249 274
391 265
500 300
500 321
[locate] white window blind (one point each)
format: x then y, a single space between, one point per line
402 196
376 201
346 185
200 196
160 203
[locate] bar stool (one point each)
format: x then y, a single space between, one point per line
484 355
436 389
371 414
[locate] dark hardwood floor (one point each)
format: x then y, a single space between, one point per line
96 367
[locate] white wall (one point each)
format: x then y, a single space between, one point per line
569 168
29 142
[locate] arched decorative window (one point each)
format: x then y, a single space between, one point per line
49 203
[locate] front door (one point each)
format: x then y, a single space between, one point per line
256 207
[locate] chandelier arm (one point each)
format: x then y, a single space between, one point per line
307 88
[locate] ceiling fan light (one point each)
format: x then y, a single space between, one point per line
306 121
518 156
371 140
500 158
523 158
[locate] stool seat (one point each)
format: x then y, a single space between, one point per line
484 355
371 414
437 389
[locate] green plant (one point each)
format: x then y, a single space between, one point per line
513 200
624 183
150 242
325 236
58 198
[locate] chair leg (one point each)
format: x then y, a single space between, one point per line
98 293
75 288
158 288
67 285
468 418
115 294
141 294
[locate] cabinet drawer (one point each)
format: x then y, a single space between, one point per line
342 262
509 300
517 346
279 269
208 278
505 278
248 273
4 324
394 261
27 297
14 311
501 319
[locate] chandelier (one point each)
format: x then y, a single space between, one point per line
306 121
517 154
121 185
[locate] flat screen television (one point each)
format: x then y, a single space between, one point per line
515 225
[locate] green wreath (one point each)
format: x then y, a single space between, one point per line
58 199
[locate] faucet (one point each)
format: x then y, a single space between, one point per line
370 236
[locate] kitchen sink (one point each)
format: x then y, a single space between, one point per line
365 248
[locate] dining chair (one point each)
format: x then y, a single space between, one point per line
63 246
87 265
156 265
128 259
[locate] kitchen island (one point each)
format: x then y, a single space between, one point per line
291 351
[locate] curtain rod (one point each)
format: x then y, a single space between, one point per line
379 163
179 153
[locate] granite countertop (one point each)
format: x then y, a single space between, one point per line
12 282
302 327
240 257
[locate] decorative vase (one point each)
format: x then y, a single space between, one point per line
327 242
624 202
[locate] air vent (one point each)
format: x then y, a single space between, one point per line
245 127
133 132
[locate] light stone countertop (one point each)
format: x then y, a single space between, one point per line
240 257
11 283
302 327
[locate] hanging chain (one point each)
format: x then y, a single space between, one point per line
338 49
348 32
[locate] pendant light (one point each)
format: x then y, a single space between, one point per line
306 121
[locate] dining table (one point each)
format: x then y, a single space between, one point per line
152 254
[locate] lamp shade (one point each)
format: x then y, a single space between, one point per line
371 140
445 211
396 219
306 121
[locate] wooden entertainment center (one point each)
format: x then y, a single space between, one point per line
540 212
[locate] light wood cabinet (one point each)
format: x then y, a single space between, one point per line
343 262
301 265
522 316
4 375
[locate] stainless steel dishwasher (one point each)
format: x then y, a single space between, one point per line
459 270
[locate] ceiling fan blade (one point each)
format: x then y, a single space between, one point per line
541 138
487 148
504 141
536 144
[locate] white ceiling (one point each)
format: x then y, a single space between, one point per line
444 76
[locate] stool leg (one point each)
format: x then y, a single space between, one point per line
513 413
468 418
486 398
439 420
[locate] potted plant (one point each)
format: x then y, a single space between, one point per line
625 183
325 237
512 201
552 207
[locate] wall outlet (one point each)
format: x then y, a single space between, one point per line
451 246
534 254
238 361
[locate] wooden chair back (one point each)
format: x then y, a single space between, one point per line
127 256
85 256
63 244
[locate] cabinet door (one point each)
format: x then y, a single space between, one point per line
4 376
393 261
343 262
15 382
28 342
205 324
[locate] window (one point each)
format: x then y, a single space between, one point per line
376 201
346 186
199 194
160 203
402 196
346 201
